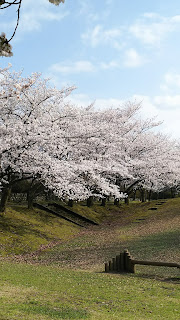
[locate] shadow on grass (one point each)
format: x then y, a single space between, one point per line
164 277
19 227
157 246
40 215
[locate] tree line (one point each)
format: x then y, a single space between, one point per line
77 153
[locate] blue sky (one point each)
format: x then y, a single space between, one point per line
111 50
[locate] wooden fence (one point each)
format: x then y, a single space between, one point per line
125 263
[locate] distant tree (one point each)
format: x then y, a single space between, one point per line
155 163
5 46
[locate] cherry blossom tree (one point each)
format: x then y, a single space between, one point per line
39 134
155 161
78 152
5 46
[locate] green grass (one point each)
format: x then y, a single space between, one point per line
147 234
39 292
67 281
23 230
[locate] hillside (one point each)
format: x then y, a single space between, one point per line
51 269
38 236
148 234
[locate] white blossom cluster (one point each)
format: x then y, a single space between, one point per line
5 47
79 152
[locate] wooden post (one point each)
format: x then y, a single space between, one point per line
118 263
130 264
132 267
114 264
156 263
121 261
124 262
126 256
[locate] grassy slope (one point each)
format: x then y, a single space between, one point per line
23 230
66 282
147 234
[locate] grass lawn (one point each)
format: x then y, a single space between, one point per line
67 281
42 292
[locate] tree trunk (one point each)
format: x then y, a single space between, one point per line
6 192
103 203
142 195
172 193
70 203
116 201
149 195
30 199
126 200
90 201
134 195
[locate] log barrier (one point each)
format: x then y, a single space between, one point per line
125 263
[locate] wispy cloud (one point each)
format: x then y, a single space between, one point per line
99 35
152 28
73 67
168 102
110 65
133 59
33 16
157 106
171 82
82 66
86 8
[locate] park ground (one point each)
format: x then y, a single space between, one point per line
52 269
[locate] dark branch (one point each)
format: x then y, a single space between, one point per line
18 13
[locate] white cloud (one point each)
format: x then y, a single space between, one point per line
98 36
73 67
81 66
32 16
167 101
85 8
110 65
152 28
157 107
133 59
171 82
